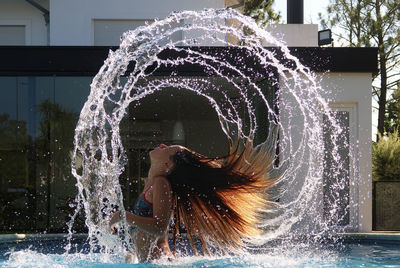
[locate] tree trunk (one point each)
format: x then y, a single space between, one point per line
383 72
382 96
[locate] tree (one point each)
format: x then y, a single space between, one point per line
261 11
386 158
392 120
371 23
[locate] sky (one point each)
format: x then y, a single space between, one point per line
311 9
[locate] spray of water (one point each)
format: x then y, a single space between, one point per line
296 116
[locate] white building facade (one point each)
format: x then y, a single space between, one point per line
98 25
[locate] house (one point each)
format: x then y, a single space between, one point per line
50 51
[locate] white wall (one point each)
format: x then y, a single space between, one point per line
353 90
295 35
19 12
348 92
72 20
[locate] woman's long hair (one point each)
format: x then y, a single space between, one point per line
219 200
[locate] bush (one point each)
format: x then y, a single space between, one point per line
386 158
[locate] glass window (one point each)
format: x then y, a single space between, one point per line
8 100
38 116
70 94
109 32
23 152
12 35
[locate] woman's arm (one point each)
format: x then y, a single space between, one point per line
162 204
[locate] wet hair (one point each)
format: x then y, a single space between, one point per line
219 200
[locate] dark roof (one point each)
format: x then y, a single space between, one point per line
87 60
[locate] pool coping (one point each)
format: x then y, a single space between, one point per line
367 237
393 237
33 237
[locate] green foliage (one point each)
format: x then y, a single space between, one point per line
392 120
386 158
261 11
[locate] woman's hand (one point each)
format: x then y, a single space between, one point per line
116 218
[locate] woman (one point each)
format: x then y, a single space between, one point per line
217 200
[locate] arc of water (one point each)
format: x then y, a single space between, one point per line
97 139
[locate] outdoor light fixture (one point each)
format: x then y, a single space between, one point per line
324 37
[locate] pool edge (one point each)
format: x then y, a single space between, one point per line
31 237
374 236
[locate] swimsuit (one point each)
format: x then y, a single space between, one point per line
143 207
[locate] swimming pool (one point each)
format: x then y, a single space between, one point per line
355 253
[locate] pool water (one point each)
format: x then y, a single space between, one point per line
51 253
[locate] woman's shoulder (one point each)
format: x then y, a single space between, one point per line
161 181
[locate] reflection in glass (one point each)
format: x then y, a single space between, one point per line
38 116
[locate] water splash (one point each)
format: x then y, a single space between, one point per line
297 113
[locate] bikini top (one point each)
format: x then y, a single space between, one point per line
143 207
